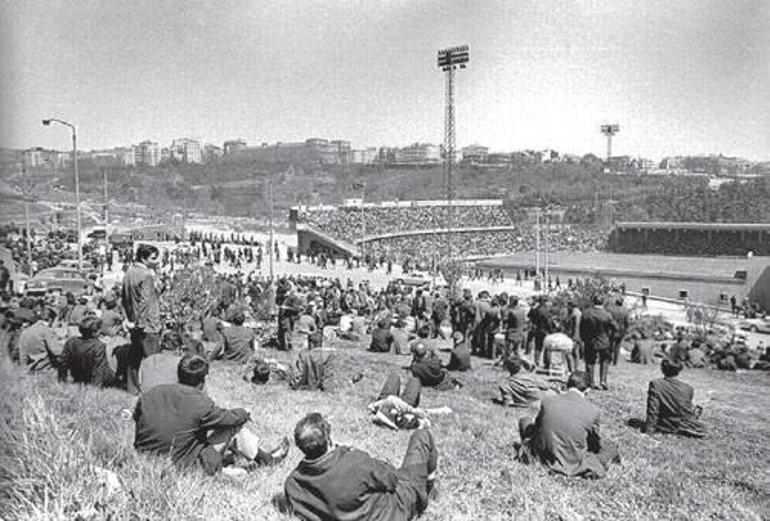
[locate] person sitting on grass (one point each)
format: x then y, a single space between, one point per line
398 409
523 388
460 359
179 418
565 434
238 345
161 367
39 346
669 405
382 338
313 370
426 367
339 482
85 356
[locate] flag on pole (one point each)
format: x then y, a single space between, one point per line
358 186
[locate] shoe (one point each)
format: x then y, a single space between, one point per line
432 489
275 456
605 387
596 387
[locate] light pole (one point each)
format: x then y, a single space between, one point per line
47 122
448 61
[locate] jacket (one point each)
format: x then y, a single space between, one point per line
670 408
140 298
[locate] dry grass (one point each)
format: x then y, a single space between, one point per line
54 437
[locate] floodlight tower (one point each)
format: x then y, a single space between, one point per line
448 61
610 130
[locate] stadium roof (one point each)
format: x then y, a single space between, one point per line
693 226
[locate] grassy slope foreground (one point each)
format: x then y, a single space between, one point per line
55 439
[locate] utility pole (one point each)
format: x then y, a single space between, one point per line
270 248
29 239
547 238
106 201
537 244
448 61
363 223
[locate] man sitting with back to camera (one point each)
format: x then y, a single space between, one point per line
565 435
343 483
180 418
670 407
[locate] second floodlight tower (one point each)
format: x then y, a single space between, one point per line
448 61
610 130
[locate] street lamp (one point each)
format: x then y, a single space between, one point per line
46 123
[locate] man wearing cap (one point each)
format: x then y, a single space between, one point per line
382 338
339 482
670 407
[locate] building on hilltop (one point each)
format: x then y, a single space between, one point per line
186 150
147 153
367 156
310 151
211 152
232 146
474 154
418 154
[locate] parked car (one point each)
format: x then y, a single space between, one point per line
87 268
422 278
756 325
61 279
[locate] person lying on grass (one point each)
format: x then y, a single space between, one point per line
670 407
565 435
339 482
180 419
523 387
398 409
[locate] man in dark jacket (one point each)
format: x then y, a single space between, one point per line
342 483
460 359
596 329
382 338
620 316
238 340
565 435
179 418
541 322
427 368
140 299
669 405
514 323
85 357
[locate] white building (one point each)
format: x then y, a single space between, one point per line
186 150
147 153
367 156
419 153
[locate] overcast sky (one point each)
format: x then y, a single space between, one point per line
680 77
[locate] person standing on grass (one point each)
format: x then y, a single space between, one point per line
596 329
141 303
339 482
180 419
670 407
620 316
565 434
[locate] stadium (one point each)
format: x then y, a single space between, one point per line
653 258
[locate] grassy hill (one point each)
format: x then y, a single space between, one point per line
55 437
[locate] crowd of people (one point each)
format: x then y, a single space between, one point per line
159 331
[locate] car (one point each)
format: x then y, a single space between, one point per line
87 268
422 278
756 325
61 279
